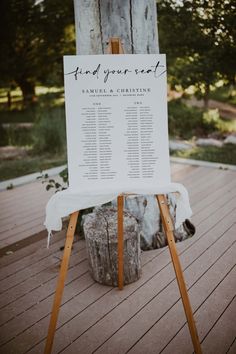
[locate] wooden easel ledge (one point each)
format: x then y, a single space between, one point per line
115 46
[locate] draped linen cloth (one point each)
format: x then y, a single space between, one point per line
61 204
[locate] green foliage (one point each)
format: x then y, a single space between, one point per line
4 137
186 122
49 132
47 97
33 37
199 40
211 118
52 184
25 115
79 226
30 164
225 154
64 175
15 135
58 187
224 94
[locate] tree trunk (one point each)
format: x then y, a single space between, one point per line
9 99
206 96
100 230
135 22
28 91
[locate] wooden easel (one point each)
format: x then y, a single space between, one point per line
115 47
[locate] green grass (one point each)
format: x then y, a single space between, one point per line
52 98
225 154
184 122
16 168
26 115
46 138
187 122
16 136
226 126
49 132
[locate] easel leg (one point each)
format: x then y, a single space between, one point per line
61 282
168 226
120 206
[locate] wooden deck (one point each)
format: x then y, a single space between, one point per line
147 316
22 215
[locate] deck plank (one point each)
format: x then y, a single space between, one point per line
19 276
147 316
207 200
223 333
232 347
35 268
203 295
127 333
29 249
22 213
207 313
156 274
37 252
35 281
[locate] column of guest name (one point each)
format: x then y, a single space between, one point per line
147 136
97 143
132 153
89 146
139 148
105 155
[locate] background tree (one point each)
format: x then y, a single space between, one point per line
199 39
135 23
33 36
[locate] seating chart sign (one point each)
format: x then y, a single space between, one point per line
116 118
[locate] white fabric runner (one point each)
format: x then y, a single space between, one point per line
63 203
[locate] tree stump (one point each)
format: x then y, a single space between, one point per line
100 230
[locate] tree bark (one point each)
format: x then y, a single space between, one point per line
100 230
206 96
9 99
28 91
135 22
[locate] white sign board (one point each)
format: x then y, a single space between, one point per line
116 116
